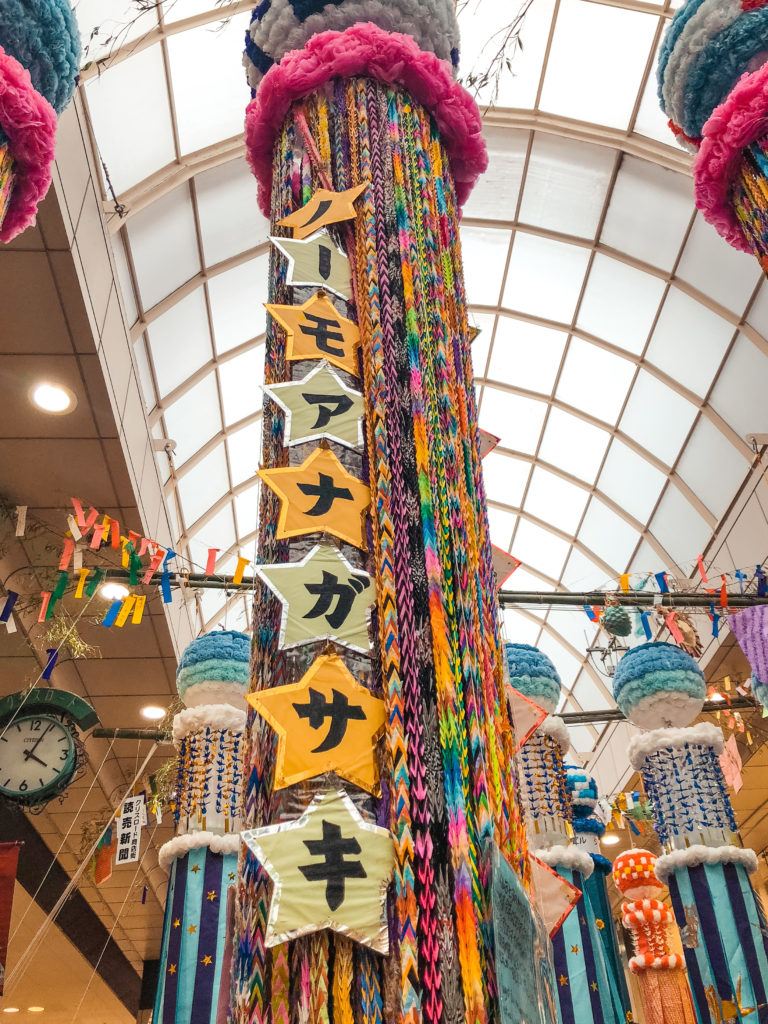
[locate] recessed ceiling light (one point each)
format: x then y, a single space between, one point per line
153 712
113 591
55 398
35 1009
611 839
10 1009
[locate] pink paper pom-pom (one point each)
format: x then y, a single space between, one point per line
29 122
393 58
739 121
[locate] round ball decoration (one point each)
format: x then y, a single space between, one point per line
634 874
533 674
42 35
215 669
658 685
616 620
39 60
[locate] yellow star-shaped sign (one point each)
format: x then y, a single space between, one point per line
325 207
316 330
330 869
320 496
327 722
320 405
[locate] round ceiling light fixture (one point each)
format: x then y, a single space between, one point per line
113 591
611 839
153 712
53 398
10 1009
35 1009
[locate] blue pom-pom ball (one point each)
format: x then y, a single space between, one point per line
43 37
659 685
215 669
533 674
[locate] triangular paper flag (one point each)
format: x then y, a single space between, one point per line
555 897
526 716
504 565
731 763
488 442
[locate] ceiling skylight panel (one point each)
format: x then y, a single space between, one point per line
680 529
241 379
581 573
594 380
565 185
209 88
717 269
620 303
176 360
496 193
596 63
555 501
574 445
218 532
237 303
566 664
589 695
518 629
758 311
485 256
505 478
545 277
657 417
501 524
540 549
163 244
514 419
651 120
482 24
247 511
689 342
649 213
480 346
631 481
244 448
178 10
573 626
740 393
193 419
712 467
107 25
608 536
131 116
203 486
230 219
526 354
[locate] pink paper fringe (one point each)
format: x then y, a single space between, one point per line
365 49
738 121
29 121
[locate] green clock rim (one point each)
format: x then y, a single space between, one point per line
65 776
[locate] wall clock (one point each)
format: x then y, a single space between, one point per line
40 747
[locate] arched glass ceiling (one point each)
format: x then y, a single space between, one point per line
622 355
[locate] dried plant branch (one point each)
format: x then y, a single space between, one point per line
505 43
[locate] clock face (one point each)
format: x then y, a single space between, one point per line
37 757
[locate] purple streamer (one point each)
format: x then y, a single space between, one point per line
750 627
53 657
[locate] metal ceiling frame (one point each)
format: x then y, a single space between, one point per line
181 173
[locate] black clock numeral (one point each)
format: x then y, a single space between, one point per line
64 754
36 725
23 786
6 784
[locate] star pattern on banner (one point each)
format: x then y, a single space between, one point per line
323 598
316 261
324 208
207 960
575 949
327 722
330 869
599 924
316 330
563 980
195 868
320 405
231 876
177 923
212 895
172 969
192 929
319 496
594 986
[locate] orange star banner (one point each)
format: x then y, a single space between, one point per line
320 496
325 207
316 330
327 722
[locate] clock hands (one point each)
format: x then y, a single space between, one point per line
30 754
